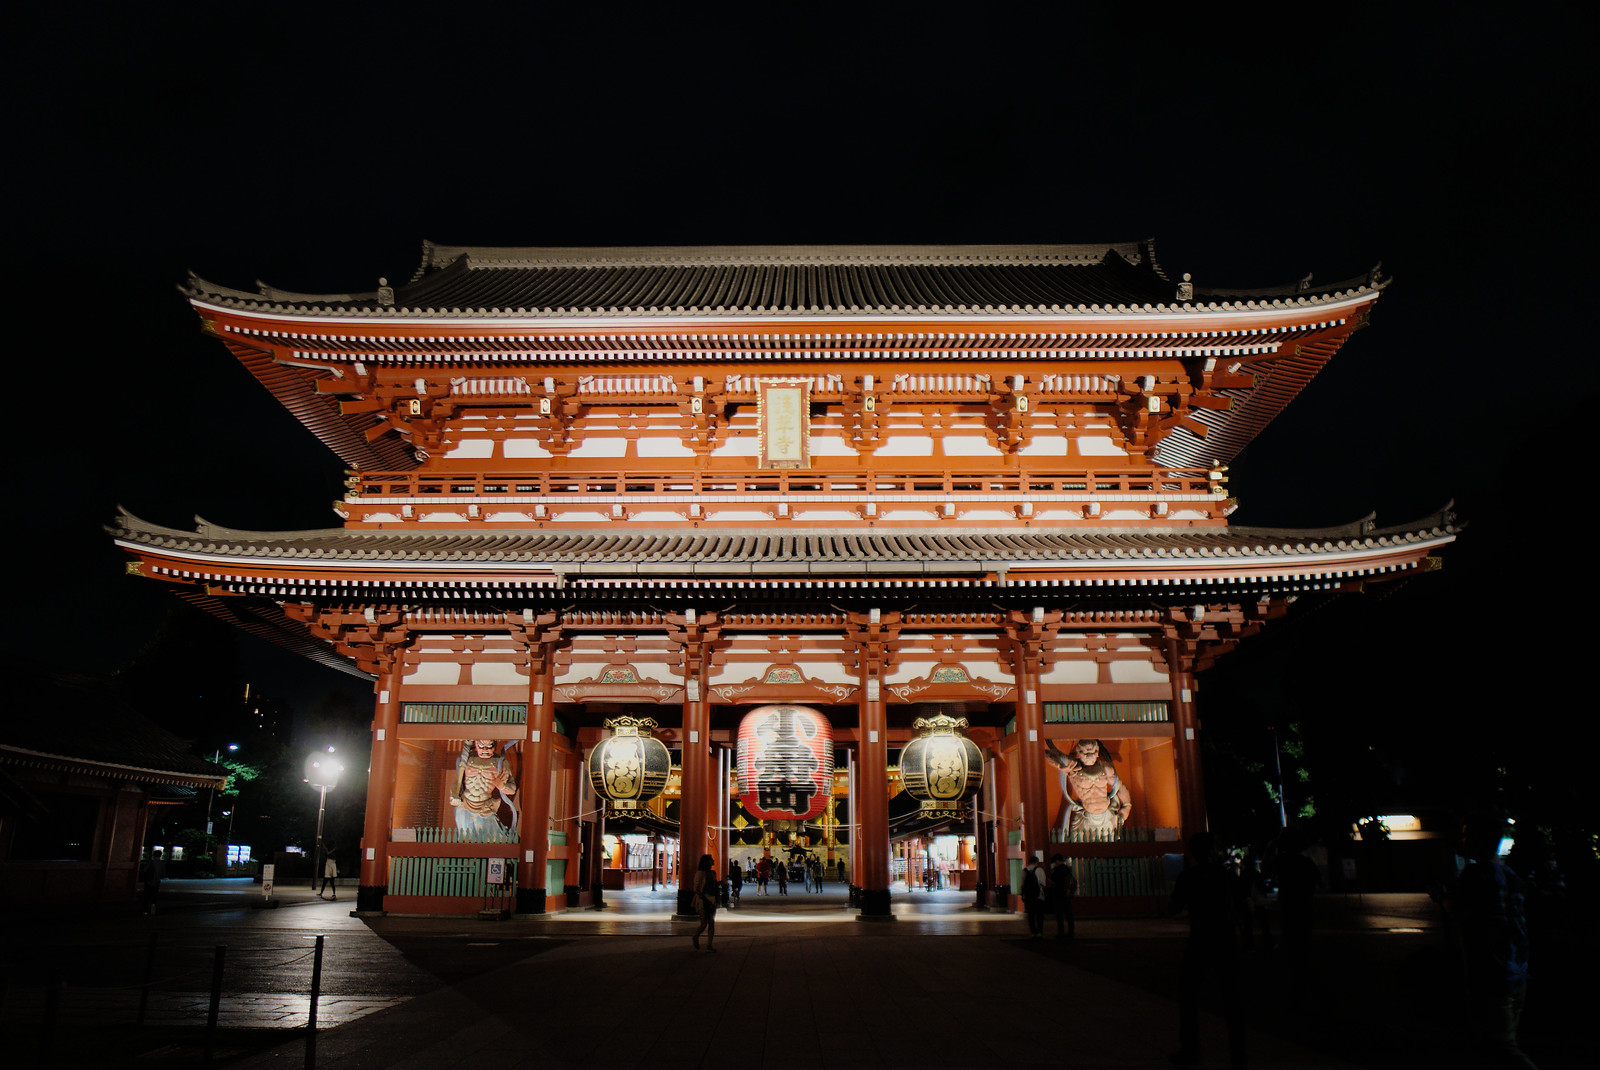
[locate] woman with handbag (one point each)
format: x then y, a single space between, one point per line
705 901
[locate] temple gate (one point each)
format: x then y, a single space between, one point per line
883 483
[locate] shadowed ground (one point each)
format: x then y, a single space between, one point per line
796 981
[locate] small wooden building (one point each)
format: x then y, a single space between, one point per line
75 802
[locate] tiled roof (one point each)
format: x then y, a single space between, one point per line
696 554
461 281
105 732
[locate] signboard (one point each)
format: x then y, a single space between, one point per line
497 871
783 408
267 871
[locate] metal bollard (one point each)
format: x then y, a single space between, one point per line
144 985
316 990
52 1007
216 1002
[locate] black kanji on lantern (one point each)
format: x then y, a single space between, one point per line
786 766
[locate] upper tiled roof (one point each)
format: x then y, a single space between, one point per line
463 281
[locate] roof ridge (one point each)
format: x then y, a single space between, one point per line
436 256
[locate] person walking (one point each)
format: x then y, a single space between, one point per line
705 901
735 882
763 874
1209 891
1298 882
1062 886
330 873
1490 905
783 878
1033 894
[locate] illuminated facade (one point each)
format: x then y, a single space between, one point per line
884 483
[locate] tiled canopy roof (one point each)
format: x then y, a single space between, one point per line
106 734
732 553
459 281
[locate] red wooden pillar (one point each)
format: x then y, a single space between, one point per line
569 803
697 633
872 800
699 790
1031 760
1186 744
1007 858
538 753
380 792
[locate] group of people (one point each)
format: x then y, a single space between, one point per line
1050 889
766 870
709 892
1486 906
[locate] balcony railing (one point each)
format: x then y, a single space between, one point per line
463 713
799 483
1106 712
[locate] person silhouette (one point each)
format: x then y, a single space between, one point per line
1209 891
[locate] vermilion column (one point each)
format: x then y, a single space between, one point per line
1031 761
380 793
872 800
1005 822
569 796
697 801
534 785
1186 745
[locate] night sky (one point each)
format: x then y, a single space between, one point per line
316 154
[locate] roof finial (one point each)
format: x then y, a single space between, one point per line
1372 276
1304 284
385 293
1186 289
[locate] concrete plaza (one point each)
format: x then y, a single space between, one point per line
796 981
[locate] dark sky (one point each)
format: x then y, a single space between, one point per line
316 154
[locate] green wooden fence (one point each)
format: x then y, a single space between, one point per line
463 877
454 835
1120 876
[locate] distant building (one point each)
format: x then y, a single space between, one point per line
881 482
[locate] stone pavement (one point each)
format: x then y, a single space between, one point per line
796 981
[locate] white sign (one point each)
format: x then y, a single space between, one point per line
497 871
267 870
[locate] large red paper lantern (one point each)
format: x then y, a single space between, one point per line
785 762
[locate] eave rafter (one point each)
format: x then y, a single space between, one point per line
393 387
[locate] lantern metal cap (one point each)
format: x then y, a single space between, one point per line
631 726
941 722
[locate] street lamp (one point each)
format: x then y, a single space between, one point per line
211 795
322 773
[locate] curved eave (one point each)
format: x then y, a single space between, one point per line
67 763
427 580
1191 316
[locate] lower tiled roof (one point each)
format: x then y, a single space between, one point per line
730 552
106 733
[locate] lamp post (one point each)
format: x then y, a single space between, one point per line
211 794
322 773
